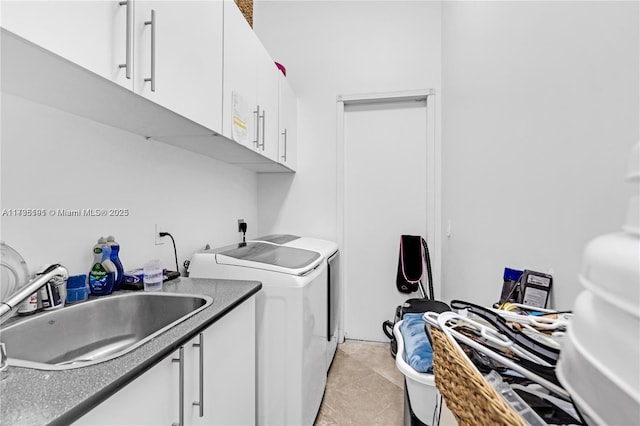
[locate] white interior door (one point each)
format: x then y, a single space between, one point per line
385 195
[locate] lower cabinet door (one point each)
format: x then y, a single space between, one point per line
151 399
218 378
229 371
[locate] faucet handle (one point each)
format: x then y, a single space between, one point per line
51 268
3 361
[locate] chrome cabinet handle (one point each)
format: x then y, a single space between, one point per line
256 141
152 22
180 361
284 157
264 112
127 64
200 403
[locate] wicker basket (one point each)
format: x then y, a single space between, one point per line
468 395
246 7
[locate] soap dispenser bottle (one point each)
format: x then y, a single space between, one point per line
102 273
115 249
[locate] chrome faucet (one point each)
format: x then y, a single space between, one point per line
6 306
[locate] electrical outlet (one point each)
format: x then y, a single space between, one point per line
159 240
240 221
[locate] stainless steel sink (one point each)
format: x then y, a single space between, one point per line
97 330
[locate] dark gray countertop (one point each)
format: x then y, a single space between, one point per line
38 397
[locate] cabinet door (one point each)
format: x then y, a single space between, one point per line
288 118
219 380
229 370
92 34
239 76
151 399
178 56
267 98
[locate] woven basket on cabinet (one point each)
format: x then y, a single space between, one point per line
246 7
471 399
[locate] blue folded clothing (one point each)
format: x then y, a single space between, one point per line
417 350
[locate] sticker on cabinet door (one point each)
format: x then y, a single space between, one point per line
240 116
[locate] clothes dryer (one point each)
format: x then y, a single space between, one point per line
291 317
329 252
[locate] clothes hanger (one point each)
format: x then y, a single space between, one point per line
548 353
442 323
565 406
500 340
538 321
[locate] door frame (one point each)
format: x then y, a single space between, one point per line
434 176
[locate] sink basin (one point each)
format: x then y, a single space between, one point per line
97 330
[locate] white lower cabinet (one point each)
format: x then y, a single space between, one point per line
229 371
208 381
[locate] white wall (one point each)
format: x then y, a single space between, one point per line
340 48
54 160
540 110
547 86
524 85
335 48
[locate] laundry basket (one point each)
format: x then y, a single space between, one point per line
467 394
422 400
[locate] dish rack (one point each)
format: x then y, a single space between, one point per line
470 398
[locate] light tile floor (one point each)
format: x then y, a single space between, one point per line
364 387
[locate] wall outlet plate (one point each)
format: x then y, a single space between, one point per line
158 239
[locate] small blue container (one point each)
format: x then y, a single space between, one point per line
77 290
510 287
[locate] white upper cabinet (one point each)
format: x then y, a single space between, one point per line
167 51
92 34
240 119
250 89
267 98
191 73
178 51
288 124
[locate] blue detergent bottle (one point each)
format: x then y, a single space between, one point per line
115 250
103 271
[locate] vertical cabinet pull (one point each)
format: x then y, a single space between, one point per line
264 112
152 22
180 361
284 156
127 64
256 141
200 403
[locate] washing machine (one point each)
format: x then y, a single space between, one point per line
330 255
291 318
